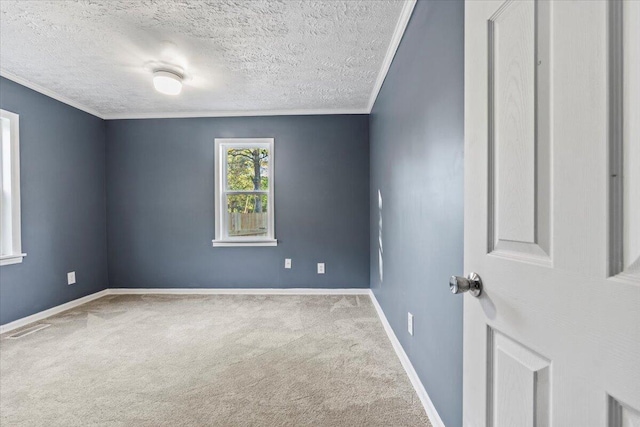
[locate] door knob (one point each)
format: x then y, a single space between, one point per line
471 283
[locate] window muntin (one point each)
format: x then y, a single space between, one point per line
244 192
10 232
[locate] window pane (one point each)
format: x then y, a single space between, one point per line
247 215
6 246
248 169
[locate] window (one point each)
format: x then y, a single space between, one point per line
244 192
10 240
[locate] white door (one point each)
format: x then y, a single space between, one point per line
552 213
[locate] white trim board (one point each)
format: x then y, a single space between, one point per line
431 411
16 324
243 291
429 408
247 113
177 115
47 92
398 33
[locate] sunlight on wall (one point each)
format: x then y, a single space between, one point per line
380 251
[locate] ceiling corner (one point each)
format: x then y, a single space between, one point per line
51 94
401 26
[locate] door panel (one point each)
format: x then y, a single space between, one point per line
512 72
549 209
519 384
622 416
519 198
630 159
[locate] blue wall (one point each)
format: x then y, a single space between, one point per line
416 132
157 176
161 191
62 153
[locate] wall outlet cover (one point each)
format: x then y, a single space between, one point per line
321 268
71 278
287 263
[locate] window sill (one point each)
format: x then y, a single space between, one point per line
235 243
11 259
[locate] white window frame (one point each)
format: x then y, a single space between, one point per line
221 236
11 239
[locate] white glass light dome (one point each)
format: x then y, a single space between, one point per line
167 82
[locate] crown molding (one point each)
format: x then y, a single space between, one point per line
51 94
401 25
242 113
398 33
177 114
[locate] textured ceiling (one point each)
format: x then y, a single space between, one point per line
238 55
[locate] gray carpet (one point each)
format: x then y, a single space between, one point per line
215 360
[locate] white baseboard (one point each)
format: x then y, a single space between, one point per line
242 291
436 421
7 327
433 415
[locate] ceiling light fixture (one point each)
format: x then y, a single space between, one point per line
167 82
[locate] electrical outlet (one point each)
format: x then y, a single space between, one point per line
287 263
321 268
410 323
71 278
